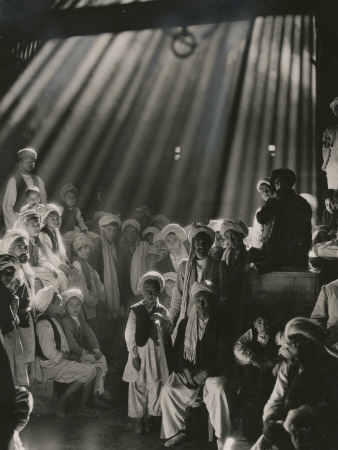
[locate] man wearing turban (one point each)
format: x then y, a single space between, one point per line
17 184
233 232
259 230
202 360
330 150
174 237
303 407
199 266
289 242
57 363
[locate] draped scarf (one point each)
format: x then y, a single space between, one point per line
187 276
191 336
111 286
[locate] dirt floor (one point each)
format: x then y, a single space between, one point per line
111 430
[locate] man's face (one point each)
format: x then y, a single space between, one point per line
33 227
56 306
169 287
150 291
329 206
70 199
173 243
85 252
19 248
130 234
202 300
53 220
302 349
110 231
265 191
27 164
201 244
7 276
33 199
262 326
232 239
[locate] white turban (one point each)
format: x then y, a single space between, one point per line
44 297
131 222
47 209
203 286
170 276
155 276
69 293
109 218
11 236
305 327
176 229
235 225
263 180
215 225
148 230
25 152
26 215
69 187
80 240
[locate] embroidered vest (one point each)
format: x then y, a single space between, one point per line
146 328
57 337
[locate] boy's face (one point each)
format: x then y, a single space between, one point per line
232 239
169 287
33 199
53 220
262 326
265 191
173 243
329 205
33 227
70 199
73 306
150 291
85 252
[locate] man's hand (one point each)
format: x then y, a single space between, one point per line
136 361
65 269
200 377
97 354
189 378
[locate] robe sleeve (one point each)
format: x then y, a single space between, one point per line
8 204
131 332
43 193
320 312
242 350
90 338
68 329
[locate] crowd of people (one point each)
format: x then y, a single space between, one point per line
159 302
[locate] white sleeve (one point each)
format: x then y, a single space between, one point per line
43 193
47 343
8 204
131 332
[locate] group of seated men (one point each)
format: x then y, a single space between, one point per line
50 257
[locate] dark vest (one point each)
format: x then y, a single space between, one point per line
52 236
57 337
146 328
68 220
21 188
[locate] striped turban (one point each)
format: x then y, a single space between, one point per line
235 225
69 293
11 236
154 276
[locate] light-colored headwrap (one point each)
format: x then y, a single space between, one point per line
44 297
7 260
160 218
170 276
235 225
81 239
152 275
263 180
47 209
27 152
305 327
203 286
69 187
334 103
109 218
131 222
199 228
11 236
25 216
176 229
148 230
215 224
69 293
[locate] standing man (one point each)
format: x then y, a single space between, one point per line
14 197
330 150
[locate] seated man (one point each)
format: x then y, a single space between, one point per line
57 363
203 360
302 410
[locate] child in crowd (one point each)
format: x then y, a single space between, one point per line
82 342
33 199
148 337
170 281
45 273
51 239
329 223
256 353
